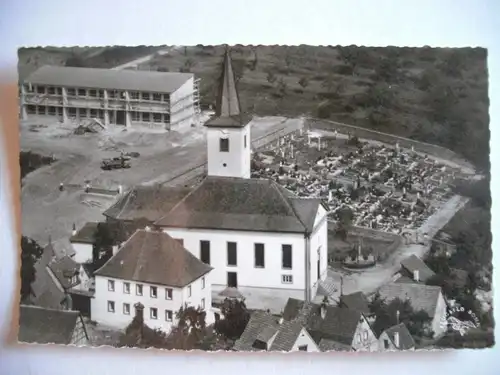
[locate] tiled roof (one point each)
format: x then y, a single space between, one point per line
154 257
288 333
259 321
421 297
339 324
148 202
406 341
326 345
356 301
64 269
46 293
46 326
241 204
86 233
414 263
134 80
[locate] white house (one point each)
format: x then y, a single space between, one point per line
82 242
258 236
333 328
396 338
154 269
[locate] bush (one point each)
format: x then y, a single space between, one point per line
343 69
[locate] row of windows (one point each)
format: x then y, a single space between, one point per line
224 144
259 254
153 311
95 113
94 93
153 290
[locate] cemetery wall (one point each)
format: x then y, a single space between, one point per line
432 150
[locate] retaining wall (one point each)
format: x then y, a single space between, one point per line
427 148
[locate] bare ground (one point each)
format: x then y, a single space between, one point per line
162 156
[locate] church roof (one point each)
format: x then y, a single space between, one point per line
156 258
230 203
227 108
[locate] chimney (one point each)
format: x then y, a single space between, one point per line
115 249
397 317
416 275
147 228
323 310
73 232
396 339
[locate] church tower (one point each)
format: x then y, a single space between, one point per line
228 133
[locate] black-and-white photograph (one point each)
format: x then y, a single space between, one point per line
255 198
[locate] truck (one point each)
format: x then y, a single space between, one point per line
121 162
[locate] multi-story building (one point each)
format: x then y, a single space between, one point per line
120 97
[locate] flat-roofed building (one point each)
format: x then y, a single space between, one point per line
119 97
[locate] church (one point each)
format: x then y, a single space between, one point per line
261 241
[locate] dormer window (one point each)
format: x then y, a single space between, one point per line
259 345
224 144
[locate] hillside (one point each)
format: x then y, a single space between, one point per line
435 95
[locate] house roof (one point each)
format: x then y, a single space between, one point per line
46 326
326 345
64 269
287 336
227 108
421 297
134 80
339 324
46 293
148 202
414 263
86 234
356 301
406 341
230 203
154 257
259 322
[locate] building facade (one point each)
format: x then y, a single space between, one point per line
118 97
155 270
114 300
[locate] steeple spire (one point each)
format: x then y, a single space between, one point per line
228 103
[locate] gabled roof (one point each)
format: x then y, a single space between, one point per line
356 301
406 341
414 263
46 293
156 258
148 202
339 324
227 108
259 322
46 326
134 80
64 269
287 336
86 234
421 297
230 203
326 345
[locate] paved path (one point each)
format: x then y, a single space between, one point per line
142 60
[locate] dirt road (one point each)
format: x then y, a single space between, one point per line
369 280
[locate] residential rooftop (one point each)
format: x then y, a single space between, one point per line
86 234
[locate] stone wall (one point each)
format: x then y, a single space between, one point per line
363 133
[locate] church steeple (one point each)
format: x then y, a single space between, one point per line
228 103
228 132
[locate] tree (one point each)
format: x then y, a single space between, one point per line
344 223
30 253
239 69
303 82
282 86
190 330
398 311
236 317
